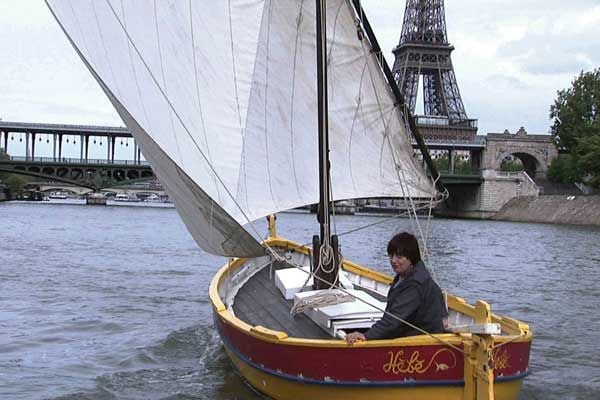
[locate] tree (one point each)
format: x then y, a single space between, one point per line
576 129
588 152
14 182
564 169
509 165
461 167
576 111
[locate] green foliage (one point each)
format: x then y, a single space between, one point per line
512 165
564 169
576 129
461 167
576 111
588 153
14 182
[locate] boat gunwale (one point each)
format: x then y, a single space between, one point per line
518 331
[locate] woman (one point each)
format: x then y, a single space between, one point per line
413 296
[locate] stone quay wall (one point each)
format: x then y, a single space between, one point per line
485 200
556 209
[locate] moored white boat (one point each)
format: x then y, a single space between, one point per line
57 196
126 197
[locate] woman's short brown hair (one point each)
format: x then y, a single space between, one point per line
405 244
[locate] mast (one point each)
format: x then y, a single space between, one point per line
324 262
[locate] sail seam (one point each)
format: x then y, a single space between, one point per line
292 102
357 112
200 111
135 77
103 45
266 104
166 89
237 101
333 31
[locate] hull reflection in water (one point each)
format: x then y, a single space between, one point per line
289 357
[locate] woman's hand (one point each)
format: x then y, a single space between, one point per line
353 337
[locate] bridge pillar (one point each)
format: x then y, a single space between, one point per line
59 146
113 140
108 143
87 146
451 160
476 159
27 152
33 145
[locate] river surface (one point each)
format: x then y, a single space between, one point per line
111 302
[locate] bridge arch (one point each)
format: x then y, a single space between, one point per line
532 163
536 152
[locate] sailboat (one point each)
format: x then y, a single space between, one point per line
248 108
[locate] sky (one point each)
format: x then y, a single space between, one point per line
510 59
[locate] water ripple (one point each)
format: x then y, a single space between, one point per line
110 303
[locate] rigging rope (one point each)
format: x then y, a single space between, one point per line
320 299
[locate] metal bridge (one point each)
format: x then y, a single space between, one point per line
42 150
98 173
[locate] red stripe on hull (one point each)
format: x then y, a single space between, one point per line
511 359
428 364
345 364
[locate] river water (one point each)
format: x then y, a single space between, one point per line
111 302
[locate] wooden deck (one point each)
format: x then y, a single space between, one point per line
259 302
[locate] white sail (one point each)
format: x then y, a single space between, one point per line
221 97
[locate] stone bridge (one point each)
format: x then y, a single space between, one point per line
536 152
483 200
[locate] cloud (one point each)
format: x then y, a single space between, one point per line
507 81
511 57
557 43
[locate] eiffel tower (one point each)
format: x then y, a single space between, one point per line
424 51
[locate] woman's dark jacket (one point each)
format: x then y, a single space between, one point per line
416 299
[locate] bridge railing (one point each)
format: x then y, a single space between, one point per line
433 120
70 160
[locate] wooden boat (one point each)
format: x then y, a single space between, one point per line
229 102
290 357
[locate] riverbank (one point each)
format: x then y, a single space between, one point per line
556 209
